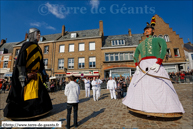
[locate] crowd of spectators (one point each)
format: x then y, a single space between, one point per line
182 76
122 82
5 85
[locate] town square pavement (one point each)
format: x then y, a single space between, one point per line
112 114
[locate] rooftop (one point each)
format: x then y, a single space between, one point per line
129 40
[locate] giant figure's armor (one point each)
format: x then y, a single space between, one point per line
28 97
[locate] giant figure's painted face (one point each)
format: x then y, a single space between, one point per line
148 31
38 36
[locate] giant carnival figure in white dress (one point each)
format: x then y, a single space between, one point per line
151 92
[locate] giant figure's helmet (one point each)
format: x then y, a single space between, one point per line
148 26
32 35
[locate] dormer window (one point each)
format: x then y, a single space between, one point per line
73 35
117 42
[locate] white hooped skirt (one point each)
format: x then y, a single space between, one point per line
150 94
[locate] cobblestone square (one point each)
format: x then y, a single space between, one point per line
112 114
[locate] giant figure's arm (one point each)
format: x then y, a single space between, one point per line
163 45
136 56
21 66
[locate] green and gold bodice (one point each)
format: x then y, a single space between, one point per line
151 47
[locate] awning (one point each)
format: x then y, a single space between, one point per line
8 74
92 73
52 78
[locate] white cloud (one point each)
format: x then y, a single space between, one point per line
42 24
37 24
50 27
94 3
54 9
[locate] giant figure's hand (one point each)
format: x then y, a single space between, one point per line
155 67
137 70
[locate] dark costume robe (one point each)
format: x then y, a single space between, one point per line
32 99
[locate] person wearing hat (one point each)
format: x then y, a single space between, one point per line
28 97
151 90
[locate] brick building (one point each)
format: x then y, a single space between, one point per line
117 55
188 50
175 60
77 51
46 43
117 51
90 53
6 50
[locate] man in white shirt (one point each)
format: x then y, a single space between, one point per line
111 85
99 86
87 87
95 89
72 91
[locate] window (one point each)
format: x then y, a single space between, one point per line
192 56
112 57
71 63
73 35
62 48
46 49
60 63
154 36
107 57
112 43
126 56
160 36
166 37
176 52
45 62
5 63
117 42
123 42
119 56
91 46
116 57
17 52
131 56
168 53
71 47
81 62
81 47
92 62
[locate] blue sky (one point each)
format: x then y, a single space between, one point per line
117 16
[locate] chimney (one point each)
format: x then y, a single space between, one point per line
101 27
63 30
129 32
2 42
26 36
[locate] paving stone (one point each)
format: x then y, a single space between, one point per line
108 114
